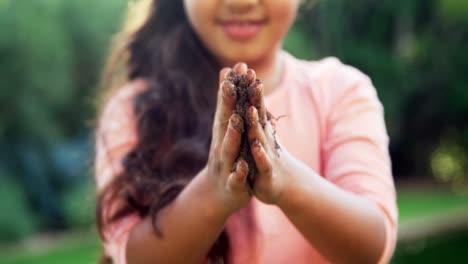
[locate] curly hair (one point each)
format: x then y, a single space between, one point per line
174 115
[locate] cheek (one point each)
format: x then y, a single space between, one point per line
201 15
282 14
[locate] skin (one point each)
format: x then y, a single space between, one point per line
260 52
350 230
337 232
208 200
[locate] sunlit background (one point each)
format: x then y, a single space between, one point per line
51 57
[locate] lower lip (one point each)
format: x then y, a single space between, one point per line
239 31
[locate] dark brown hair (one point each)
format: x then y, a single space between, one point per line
174 116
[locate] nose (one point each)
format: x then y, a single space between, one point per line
240 6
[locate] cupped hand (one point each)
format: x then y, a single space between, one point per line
226 172
270 158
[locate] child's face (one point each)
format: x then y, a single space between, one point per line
241 30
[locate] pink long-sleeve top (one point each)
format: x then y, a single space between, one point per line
334 124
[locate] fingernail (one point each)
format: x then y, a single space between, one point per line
231 76
250 76
253 115
256 143
236 122
242 165
240 68
221 75
256 89
229 88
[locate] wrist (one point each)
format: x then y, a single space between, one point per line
287 182
295 183
213 204
288 193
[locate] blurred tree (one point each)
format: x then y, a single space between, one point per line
416 52
51 54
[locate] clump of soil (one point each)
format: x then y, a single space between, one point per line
245 84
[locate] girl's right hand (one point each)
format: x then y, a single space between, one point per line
226 174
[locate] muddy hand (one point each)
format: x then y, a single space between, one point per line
228 174
265 148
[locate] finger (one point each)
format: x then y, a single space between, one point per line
215 135
227 95
250 76
257 100
224 109
232 139
226 91
222 74
262 161
231 76
240 68
237 179
255 131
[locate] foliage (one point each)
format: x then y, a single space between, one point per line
15 220
416 52
52 53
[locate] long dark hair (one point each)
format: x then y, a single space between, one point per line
174 117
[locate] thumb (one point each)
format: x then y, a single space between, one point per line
237 179
222 74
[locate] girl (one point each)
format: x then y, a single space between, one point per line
170 189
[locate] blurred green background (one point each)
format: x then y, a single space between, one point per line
51 57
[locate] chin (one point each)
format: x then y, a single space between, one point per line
246 55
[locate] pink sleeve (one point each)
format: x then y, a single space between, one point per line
115 137
355 149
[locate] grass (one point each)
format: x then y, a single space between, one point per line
412 204
84 249
447 249
421 204
74 250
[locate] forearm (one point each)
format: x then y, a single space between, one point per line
189 226
342 226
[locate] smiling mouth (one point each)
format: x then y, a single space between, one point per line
242 29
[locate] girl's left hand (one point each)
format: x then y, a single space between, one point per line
270 158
